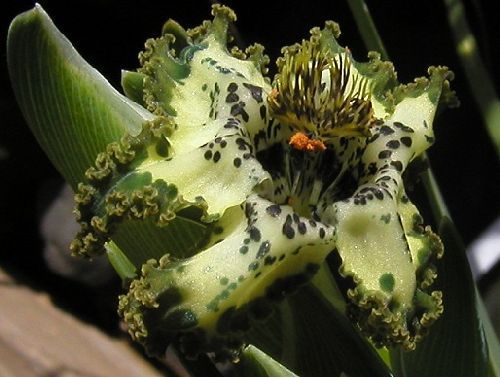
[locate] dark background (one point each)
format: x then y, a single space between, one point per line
110 34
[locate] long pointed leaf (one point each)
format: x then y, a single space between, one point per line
71 108
491 338
311 338
255 363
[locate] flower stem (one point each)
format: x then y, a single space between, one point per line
367 27
477 75
434 195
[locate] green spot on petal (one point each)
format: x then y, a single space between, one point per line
386 218
387 282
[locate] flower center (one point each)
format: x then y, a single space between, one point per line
320 97
327 106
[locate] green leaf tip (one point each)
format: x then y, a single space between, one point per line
227 190
256 363
55 87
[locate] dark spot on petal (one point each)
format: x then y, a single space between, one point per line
269 260
406 140
386 218
274 210
162 148
386 130
398 165
232 87
232 97
255 91
253 266
401 126
263 249
216 156
288 231
322 233
254 234
384 154
302 228
392 144
378 194
263 112
239 109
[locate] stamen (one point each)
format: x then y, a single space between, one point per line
302 142
318 95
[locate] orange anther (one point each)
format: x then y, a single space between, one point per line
273 94
302 142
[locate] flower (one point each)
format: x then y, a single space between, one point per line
253 183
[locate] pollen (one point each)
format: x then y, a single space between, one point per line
273 94
320 94
302 142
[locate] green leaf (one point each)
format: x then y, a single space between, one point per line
255 363
491 338
143 240
476 72
456 345
120 262
310 337
367 27
70 107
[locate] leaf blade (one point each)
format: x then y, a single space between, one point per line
312 338
255 363
70 107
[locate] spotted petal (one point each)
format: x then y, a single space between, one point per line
381 239
210 107
369 130
207 302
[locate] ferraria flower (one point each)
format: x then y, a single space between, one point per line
270 176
